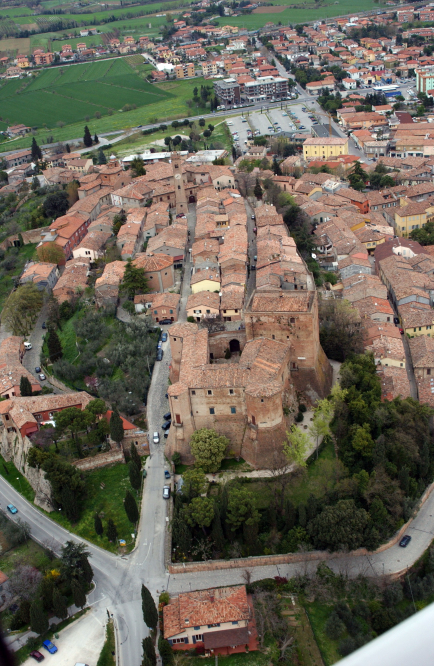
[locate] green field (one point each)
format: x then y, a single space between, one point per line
310 12
73 93
178 93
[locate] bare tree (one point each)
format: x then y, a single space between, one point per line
247 576
24 581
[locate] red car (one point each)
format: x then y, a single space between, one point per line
401 330
37 655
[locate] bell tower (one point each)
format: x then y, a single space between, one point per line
180 197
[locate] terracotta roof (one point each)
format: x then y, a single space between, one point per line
203 298
212 274
226 638
203 607
282 302
152 262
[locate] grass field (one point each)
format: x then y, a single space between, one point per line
178 93
77 92
9 472
6 283
108 501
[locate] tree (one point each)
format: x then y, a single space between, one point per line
135 456
362 440
35 184
138 167
296 445
51 253
201 511
276 167
194 482
60 608
98 525
334 627
340 330
55 204
72 192
150 613
22 309
78 593
166 652
135 476
54 346
208 449
87 138
38 619
102 159
424 236
95 138
241 509
73 421
322 418
74 560
149 650
339 526
130 507
257 191
112 533
25 386
217 530
134 280
116 427
36 151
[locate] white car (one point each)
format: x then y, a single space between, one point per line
156 438
27 345
42 377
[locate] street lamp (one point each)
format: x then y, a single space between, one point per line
19 481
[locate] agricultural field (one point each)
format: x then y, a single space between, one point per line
77 92
178 92
303 12
17 45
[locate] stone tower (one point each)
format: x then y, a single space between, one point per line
180 197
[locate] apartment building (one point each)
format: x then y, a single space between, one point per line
266 88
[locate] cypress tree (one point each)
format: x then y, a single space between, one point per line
166 652
46 589
38 619
149 650
131 509
112 533
302 518
116 427
135 456
217 530
135 476
69 504
59 604
95 138
25 386
98 525
102 159
150 613
87 138
68 149
86 569
78 593
257 191
54 346
36 151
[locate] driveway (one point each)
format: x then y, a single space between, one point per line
32 357
80 642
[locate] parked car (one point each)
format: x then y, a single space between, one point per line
166 474
166 492
42 377
401 330
253 217
160 344
11 508
37 655
167 416
37 369
396 320
156 438
48 645
405 541
164 336
27 345
159 355
165 322
166 425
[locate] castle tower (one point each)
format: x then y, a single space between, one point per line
180 197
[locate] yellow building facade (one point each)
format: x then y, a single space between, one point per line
325 147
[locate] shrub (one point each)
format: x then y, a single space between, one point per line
302 408
346 646
334 627
299 418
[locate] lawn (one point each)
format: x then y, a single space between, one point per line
318 615
159 111
314 480
25 253
242 659
30 553
106 500
16 479
68 338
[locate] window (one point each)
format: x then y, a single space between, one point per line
233 410
193 393
235 622
428 372
211 410
155 311
231 391
292 320
196 628
177 640
214 625
178 418
171 311
209 392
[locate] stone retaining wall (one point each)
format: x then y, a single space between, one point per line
101 460
290 558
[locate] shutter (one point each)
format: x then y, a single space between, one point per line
169 640
186 639
194 639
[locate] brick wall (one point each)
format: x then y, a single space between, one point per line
101 460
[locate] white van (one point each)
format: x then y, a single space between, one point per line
27 345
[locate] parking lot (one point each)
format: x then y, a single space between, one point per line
236 125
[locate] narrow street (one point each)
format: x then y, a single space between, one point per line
188 265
